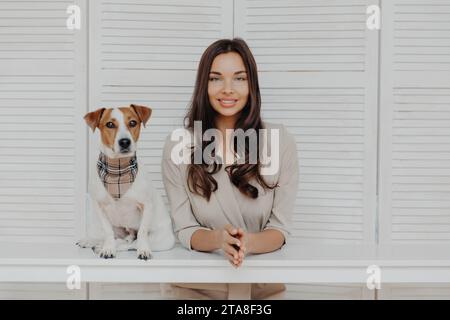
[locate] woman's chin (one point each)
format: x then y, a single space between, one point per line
228 112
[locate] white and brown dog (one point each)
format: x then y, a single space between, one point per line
129 208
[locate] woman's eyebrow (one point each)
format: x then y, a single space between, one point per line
218 73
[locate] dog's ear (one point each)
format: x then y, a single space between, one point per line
93 118
143 113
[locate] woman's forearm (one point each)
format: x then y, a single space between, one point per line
260 242
265 241
205 240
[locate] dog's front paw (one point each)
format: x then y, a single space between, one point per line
144 253
88 243
107 252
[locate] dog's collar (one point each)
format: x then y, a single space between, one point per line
118 174
118 165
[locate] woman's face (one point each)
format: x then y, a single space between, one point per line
228 85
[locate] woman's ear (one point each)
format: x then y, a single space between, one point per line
93 118
143 113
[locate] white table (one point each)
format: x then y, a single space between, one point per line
291 264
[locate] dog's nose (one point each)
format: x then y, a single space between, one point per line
124 143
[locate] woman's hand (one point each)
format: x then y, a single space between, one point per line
245 239
230 243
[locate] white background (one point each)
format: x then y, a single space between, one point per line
370 111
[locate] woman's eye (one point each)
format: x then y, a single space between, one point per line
241 79
133 123
214 79
110 125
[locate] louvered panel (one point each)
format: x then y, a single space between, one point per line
318 68
157 35
305 35
147 53
129 291
99 291
415 111
327 292
421 35
328 158
41 97
41 291
414 292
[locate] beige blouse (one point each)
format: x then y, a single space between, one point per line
271 210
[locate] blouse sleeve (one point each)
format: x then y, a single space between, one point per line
185 223
286 191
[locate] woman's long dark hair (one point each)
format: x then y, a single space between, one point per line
200 180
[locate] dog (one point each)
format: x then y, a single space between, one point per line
131 212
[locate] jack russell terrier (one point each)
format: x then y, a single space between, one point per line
122 195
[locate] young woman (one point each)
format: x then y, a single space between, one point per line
229 205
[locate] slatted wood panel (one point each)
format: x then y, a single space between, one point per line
328 292
307 35
318 69
42 94
41 291
415 120
414 292
132 291
98 291
421 33
146 52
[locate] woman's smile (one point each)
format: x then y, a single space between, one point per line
227 102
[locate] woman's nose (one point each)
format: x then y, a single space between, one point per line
228 87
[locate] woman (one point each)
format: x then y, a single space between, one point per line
227 204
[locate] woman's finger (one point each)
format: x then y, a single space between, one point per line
233 261
230 250
230 229
232 241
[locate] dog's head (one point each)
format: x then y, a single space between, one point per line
119 128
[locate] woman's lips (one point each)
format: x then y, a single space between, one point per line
228 103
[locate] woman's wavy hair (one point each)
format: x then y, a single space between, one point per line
200 179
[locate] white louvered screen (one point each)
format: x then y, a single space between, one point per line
42 150
318 70
328 292
41 291
424 291
119 291
139 291
147 52
415 122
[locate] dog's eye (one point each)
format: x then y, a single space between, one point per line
110 125
133 123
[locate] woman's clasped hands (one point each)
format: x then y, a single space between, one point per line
235 244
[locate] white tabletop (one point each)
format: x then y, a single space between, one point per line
292 264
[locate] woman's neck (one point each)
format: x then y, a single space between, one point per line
224 123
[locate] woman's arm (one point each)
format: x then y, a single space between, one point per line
261 242
225 239
205 240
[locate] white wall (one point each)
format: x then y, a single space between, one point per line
43 94
415 122
370 111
